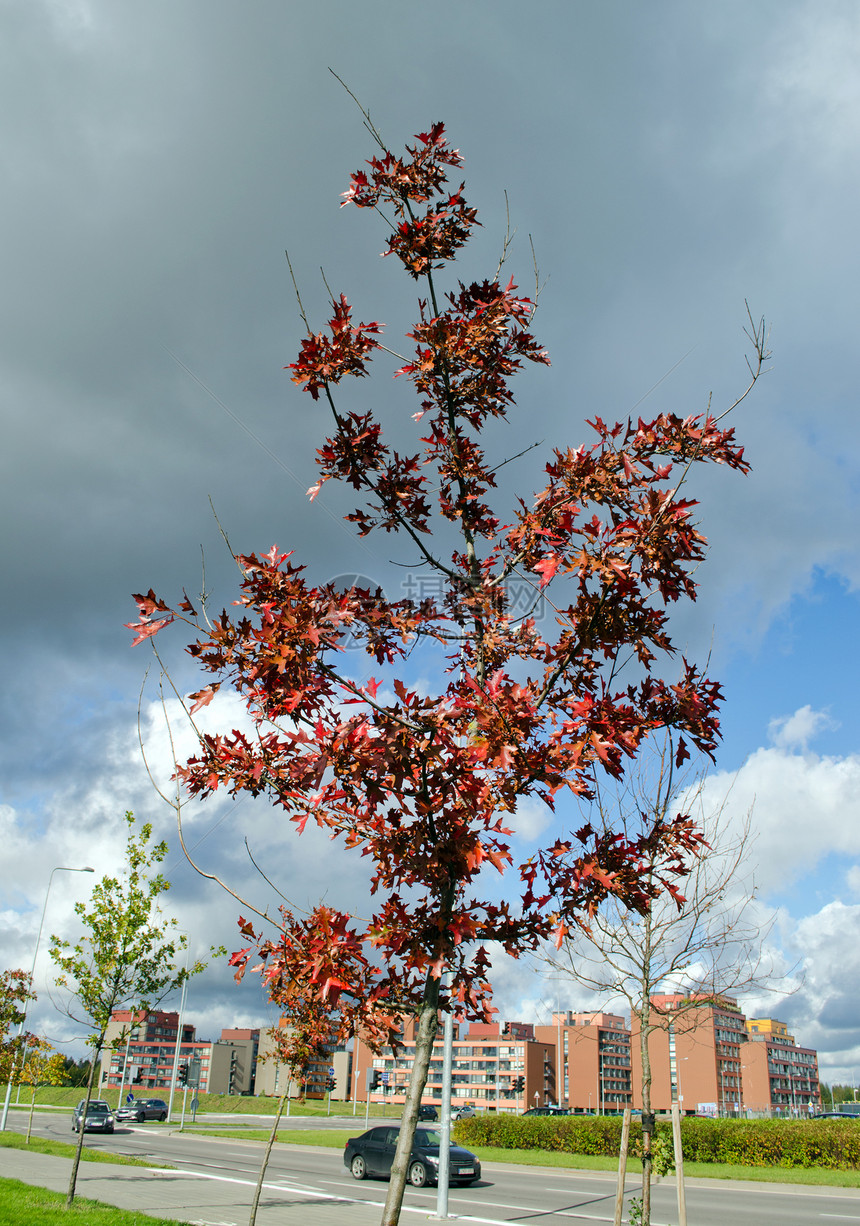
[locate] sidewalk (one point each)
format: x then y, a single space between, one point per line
189 1198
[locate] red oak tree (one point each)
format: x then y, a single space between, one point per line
424 785
308 1031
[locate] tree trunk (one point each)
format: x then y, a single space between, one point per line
32 1109
645 1029
428 1024
647 1117
253 1218
76 1161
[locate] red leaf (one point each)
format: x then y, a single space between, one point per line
146 629
203 697
547 568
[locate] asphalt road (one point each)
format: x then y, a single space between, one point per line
307 1178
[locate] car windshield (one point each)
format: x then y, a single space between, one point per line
98 1108
428 1137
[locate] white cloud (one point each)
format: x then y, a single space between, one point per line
822 1000
804 807
531 819
797 730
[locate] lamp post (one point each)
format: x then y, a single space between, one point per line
60 868
178 1048
678 1064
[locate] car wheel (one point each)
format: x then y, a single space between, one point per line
140 1117
110 1130
358 1167
418 1174
163 1116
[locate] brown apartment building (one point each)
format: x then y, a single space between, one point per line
496 1067
593 1051
140 1054
706 1055
779 1077
695 1054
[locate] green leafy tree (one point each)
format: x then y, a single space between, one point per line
75 1072
15 994
126 958
838 1094
42 1066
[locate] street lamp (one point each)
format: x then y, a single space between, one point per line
61 868
678 1064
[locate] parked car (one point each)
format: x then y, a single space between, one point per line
427 1112
99 1117
141 1109
373 1153
547 1111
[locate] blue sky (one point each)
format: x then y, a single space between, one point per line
804 658
667 161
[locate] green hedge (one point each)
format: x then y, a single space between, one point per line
787 1143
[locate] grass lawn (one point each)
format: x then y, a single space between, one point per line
62 1149
336 1139
232 1104
27 1206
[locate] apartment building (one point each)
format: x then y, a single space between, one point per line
275 1079
695 1054
496 1067
140 1054
779 1077
593 1052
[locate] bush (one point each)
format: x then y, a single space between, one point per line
787 1143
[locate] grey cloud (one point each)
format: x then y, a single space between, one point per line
667 162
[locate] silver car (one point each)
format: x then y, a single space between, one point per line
141 1109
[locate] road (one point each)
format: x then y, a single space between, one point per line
225 1173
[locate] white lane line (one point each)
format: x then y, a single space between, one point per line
248 1183
354 1200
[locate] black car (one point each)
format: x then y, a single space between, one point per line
427 1112
373 1153
141 1109
99 1117
547 1111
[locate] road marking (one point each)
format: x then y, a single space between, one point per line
354 1200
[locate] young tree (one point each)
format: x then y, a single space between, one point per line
15 995
711 940
126 958
42 1066
423 784
308 1030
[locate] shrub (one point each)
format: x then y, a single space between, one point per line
787 1143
